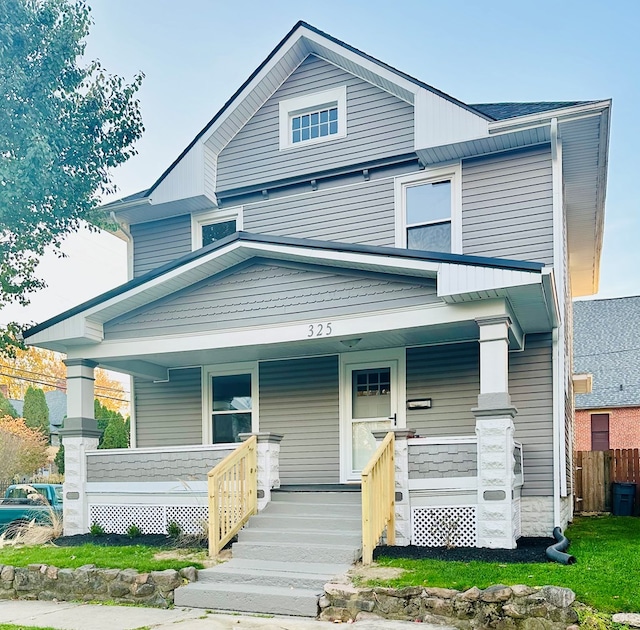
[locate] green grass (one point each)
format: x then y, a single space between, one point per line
605 576
10 626
137 557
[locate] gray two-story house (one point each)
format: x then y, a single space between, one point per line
344 249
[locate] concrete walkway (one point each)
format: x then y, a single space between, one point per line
70 616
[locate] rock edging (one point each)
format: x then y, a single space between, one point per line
87 583
517 607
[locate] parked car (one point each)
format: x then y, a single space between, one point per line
23 503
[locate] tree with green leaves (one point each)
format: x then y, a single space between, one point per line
6 408
64 125
35 411
116 435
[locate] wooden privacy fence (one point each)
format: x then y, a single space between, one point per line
378 498
233 494
595 471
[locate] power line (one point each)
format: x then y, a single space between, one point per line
32 380
597 354
57 378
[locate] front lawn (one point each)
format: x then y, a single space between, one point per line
606 574
140 557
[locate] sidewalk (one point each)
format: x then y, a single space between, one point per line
70 616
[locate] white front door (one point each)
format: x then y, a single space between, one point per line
370 396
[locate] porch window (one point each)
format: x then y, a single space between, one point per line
232 407
427 211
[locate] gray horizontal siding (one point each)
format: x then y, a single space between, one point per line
169 414
442 461
263 294
531 389
134 466
449 375
299 399
378 125
361 213
159 242
508 207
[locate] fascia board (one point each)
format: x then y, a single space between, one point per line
550 293
544 118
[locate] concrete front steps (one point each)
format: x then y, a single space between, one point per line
284 556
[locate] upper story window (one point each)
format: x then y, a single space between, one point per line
428 210
313 118
212 226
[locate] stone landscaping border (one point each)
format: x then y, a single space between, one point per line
87 583
517 607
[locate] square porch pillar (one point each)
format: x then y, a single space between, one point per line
268 464
79 435
402 502
496 516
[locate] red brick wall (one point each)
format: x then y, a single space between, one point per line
624 428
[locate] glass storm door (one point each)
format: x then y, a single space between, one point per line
373 406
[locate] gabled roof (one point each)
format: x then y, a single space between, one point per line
607 345
527 286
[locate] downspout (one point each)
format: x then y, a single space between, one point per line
129 240
557 347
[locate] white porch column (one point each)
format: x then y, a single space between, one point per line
402 504
80 434
495 432
268 464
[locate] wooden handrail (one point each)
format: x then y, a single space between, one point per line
233 494
378 498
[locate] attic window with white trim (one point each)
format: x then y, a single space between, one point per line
212 226
313 118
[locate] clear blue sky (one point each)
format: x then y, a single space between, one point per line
196 53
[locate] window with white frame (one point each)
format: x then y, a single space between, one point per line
231 402
428 210
209 227
313 118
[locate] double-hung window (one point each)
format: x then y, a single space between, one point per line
231 402
212 226
428 211
313 118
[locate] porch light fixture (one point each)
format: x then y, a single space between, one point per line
351 343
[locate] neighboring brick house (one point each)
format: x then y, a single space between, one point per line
607 345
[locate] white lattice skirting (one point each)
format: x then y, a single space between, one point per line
151 519
444 526
517 519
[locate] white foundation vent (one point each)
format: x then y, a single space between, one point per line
444 526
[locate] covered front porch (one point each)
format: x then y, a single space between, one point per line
323 345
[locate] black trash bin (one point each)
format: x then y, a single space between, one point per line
623 497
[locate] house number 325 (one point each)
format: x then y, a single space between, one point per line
320 330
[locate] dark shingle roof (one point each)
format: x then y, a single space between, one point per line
502 111
607 345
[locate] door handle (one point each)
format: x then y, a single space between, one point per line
393 417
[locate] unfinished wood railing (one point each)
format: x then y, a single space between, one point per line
233 494
378 498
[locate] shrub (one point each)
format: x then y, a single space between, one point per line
134 531
174 530
96 529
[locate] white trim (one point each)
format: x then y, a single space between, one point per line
147 487
311 102
133 426
200 219
147 450
397 358
228 369
343 327
453 173
454 439
449 484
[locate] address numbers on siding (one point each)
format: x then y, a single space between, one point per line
323 329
